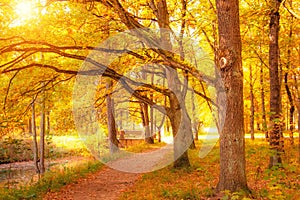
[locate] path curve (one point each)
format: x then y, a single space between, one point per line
109 183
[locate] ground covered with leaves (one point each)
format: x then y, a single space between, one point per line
200 180
92 181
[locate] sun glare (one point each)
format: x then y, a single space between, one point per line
24 9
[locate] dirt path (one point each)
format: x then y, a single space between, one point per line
105 184
110 182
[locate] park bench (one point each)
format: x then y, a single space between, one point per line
130 137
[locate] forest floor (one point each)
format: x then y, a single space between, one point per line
112 180
196 182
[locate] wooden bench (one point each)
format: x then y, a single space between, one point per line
130 137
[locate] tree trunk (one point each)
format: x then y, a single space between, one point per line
263 107
34 138
292 109
179 118
152 127
252 105
145 119
288 91
48 123
195 120
112 131
275 97
232 141
42 135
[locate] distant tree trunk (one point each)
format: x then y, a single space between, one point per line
252 105
275 96
263 104
145 119
292 109
30 126
195 120
34 138
112 131
152 127
42 134
229 61
288 91
297 103
48 123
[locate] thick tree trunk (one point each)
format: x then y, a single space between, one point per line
112 131
182 132
34 138
275 96
179 118
252 105
232 142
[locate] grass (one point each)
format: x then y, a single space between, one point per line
200 180
51 181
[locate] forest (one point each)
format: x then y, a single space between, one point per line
149 99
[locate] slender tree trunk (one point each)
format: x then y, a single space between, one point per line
275 96
288 91
112 131
263 104
252 105
195 120
292 109
152 127
48 123
30 126
232 141
145 117
34 138
42 134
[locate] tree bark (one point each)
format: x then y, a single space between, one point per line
232 143
112 131
275 96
